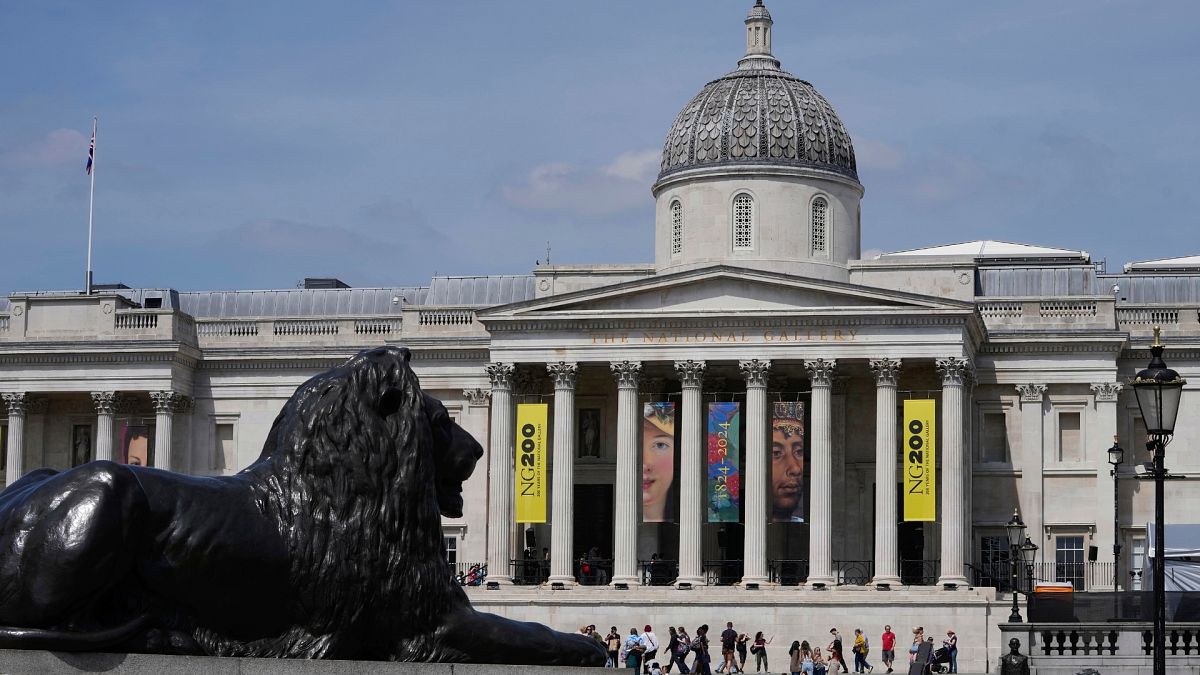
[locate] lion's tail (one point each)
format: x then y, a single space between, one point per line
12 637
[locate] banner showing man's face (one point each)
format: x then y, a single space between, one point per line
787 463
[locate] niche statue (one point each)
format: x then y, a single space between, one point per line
329 546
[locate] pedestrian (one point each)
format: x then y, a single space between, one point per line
682 647
951 645
860 649
632 650
835 650
917 639
613 644
650 645
797 659
592 633
759 649
672 643
742 642
888 642
728 644
820 667
702 664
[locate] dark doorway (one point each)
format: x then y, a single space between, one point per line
910 537
594 532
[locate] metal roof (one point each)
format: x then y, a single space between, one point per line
1189 263
485 291
985 249
1036 281
1153 289
300 302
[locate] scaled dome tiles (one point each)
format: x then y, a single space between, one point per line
766 117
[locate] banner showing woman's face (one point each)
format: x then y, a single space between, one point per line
787 463
658 461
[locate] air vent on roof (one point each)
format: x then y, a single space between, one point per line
321 282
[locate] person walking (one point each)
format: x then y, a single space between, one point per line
632 650
702 664
917 639
649 646
613 645
835 650
672 643
742 642
860 649
759 649
951 645
683 645
888 643
728 645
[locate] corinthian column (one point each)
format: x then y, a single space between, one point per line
820 556
691 503
501 460
886 568
106 404
166 404
757 467
628 474
954 373
562 504
16 436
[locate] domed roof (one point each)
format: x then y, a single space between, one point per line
758 115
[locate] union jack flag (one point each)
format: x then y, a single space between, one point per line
91 152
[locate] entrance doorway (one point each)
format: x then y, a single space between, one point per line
593 533
910 538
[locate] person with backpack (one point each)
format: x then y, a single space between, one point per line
632 650
701 666
683 645
860 650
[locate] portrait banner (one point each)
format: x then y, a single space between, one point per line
724 474
789 496
531 462
660 497
920 458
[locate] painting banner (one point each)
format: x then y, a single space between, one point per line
724 474
660 499
531 462
920 455
789 498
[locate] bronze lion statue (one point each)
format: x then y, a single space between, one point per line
328 546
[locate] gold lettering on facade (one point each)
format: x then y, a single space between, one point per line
723 335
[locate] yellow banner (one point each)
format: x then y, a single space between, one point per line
531 462
920 459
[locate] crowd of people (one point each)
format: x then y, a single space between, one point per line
644 652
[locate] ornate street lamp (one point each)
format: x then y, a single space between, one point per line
1016 531
1028 555
1158 390
1116 457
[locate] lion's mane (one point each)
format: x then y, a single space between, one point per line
347 473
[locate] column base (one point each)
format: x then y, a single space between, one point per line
502 580
886 580
959 583
692 581
567 582
630 581
760 580
823 582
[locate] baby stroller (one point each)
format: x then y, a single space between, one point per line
939 661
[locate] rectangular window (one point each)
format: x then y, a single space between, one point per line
1069 560
995 438
993 562
451 550
225 450
1070 443
1137 559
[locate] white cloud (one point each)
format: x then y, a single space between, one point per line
57 147
641 165
620 185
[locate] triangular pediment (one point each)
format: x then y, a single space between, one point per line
721 289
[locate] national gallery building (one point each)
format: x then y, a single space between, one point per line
758 426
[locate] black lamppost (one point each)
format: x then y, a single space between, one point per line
1116 457
1158 390
1016 532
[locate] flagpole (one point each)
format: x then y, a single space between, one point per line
91 201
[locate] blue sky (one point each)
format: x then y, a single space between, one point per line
248 145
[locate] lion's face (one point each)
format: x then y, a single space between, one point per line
455 453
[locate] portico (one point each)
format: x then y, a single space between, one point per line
753 337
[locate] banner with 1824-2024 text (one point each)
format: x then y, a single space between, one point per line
919 449
531 463
724 462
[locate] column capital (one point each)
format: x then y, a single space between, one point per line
16 403
563 374
691 373
627 373
501 375
820 371
1031 393
169 402
1107 391
106 402
886 371
954 370
477 397
755 371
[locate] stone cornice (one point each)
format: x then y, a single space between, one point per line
919 317
88 357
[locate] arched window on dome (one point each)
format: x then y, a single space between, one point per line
676 228
820 227
743 222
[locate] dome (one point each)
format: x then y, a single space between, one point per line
758 115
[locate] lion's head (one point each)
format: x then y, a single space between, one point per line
358 468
